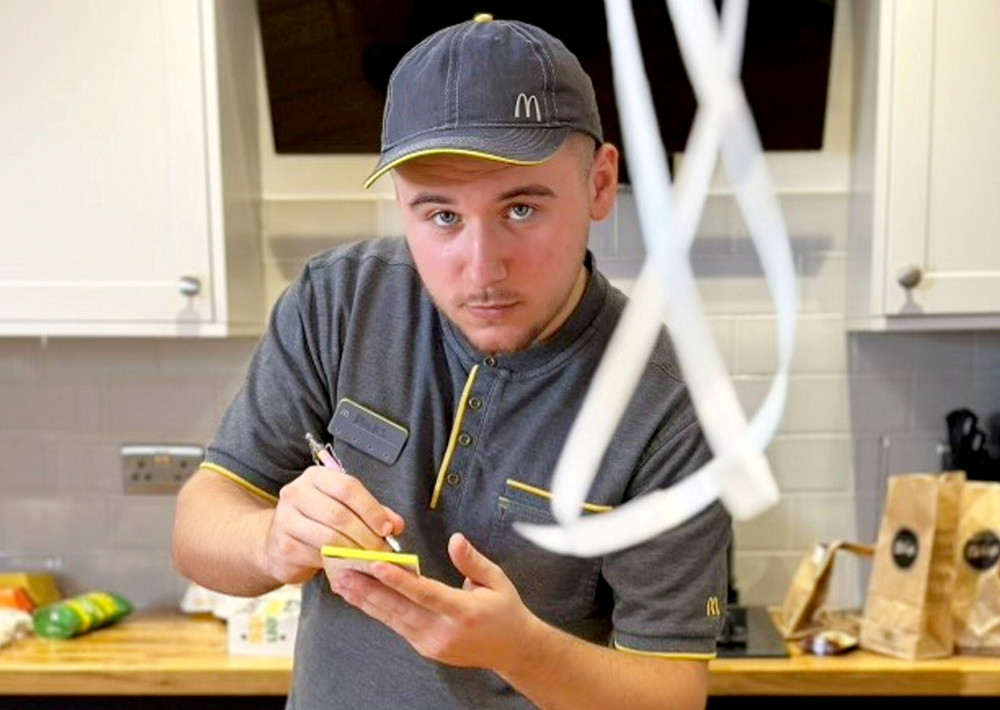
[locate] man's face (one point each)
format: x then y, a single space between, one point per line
500 248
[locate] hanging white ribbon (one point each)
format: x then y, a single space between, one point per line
739 474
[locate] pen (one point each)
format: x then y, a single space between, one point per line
324 456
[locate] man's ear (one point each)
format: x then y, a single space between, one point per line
603 181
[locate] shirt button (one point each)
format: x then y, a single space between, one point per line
475 403
490 361
453 479
464 439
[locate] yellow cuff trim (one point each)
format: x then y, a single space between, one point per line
542 493
674 656
453 438
259 492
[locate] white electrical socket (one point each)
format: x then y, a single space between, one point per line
158 468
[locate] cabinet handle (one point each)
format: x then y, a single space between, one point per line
190 285
909 276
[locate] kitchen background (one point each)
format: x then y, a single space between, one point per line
861 405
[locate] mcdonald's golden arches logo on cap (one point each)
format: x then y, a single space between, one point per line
528 103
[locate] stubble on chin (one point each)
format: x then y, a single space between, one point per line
487 343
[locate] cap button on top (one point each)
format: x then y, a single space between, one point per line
482 17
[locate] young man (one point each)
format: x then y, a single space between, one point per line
447 370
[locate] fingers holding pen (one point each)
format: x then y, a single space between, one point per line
343 504
382 521
323 506
290 554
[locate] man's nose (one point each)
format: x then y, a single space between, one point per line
486 262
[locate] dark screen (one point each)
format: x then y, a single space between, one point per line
327 64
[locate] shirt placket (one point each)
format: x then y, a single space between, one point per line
457 466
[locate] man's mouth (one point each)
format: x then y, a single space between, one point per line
490 310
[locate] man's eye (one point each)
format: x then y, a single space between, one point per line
521 212
445 219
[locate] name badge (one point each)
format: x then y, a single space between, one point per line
368 432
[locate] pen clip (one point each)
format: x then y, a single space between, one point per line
314 448
329 447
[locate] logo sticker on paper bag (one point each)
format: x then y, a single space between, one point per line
982 550
905 548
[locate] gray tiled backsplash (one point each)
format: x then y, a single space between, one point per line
986 353
762 576
820 517
860 406
820 347
811 463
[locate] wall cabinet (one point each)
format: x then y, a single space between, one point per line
925 223
129 168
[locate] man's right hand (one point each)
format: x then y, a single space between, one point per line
323 506
233 539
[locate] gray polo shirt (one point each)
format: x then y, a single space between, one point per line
482 437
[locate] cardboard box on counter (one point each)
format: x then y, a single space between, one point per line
264 627
255 626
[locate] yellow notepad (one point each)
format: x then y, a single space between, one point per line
335 558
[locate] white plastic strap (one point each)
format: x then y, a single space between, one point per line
739 473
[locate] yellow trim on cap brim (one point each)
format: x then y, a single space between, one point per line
446 151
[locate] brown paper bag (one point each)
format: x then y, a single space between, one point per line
801 610
908 607
975 605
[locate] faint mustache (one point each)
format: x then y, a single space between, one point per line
489 299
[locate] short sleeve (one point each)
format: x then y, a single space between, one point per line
669 592
261 438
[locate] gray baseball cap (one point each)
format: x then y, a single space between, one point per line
496 89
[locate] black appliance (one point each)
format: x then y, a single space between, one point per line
747 631
969 444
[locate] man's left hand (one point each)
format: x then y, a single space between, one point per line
481 625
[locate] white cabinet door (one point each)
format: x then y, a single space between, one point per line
935 230
944 215
105 194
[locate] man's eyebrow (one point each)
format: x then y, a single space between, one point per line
528 191
425 198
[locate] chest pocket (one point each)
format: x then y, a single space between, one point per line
559 589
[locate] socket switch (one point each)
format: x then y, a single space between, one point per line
150 469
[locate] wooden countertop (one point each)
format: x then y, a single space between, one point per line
166 653
147 653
